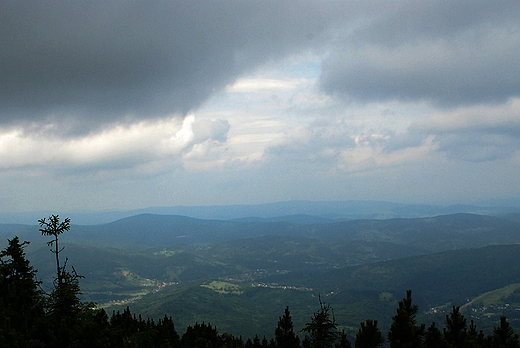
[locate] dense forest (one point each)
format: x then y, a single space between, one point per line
32 317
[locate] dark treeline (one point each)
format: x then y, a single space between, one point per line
30 317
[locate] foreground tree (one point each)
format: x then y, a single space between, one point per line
404 333
53 227
284 332
21 300
343 341
369 335
201 336
433 337
322 329
167 335
65 309
504 336
455 331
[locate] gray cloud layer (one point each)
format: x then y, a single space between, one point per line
84 64
110 61
449 53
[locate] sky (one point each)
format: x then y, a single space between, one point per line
126 104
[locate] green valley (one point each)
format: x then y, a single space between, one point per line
240 275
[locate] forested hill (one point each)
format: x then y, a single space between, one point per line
449 276
445 232
356 293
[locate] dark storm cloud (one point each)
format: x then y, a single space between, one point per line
83 64
109 61
446 52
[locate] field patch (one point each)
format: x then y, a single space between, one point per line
223 287
495 297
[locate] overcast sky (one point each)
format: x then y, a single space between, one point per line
109 104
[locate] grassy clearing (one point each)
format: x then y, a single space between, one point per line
385 296
127 286
494 297
223 287
133 279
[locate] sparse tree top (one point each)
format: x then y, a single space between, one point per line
53 227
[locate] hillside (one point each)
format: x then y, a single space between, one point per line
451 276
165 263
356 293
105 268
444 232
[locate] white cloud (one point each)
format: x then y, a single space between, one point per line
185 134
501 118
263 85
118 147
476 133
369 155
210 129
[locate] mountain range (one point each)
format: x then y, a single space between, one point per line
240 273
330 210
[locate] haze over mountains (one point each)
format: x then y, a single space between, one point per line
442 232
330 210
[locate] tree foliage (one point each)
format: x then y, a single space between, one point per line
53 227
404 333
369 335
322 329
504 335
455 331
21 300
284 334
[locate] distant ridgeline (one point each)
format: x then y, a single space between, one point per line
301 212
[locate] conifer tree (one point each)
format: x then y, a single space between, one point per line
343 341
504 335
433 337
284 332
167 335
201 336
65 309
21 300
404 333
53 227
256 342
472 336
322 329
455 332
369 335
